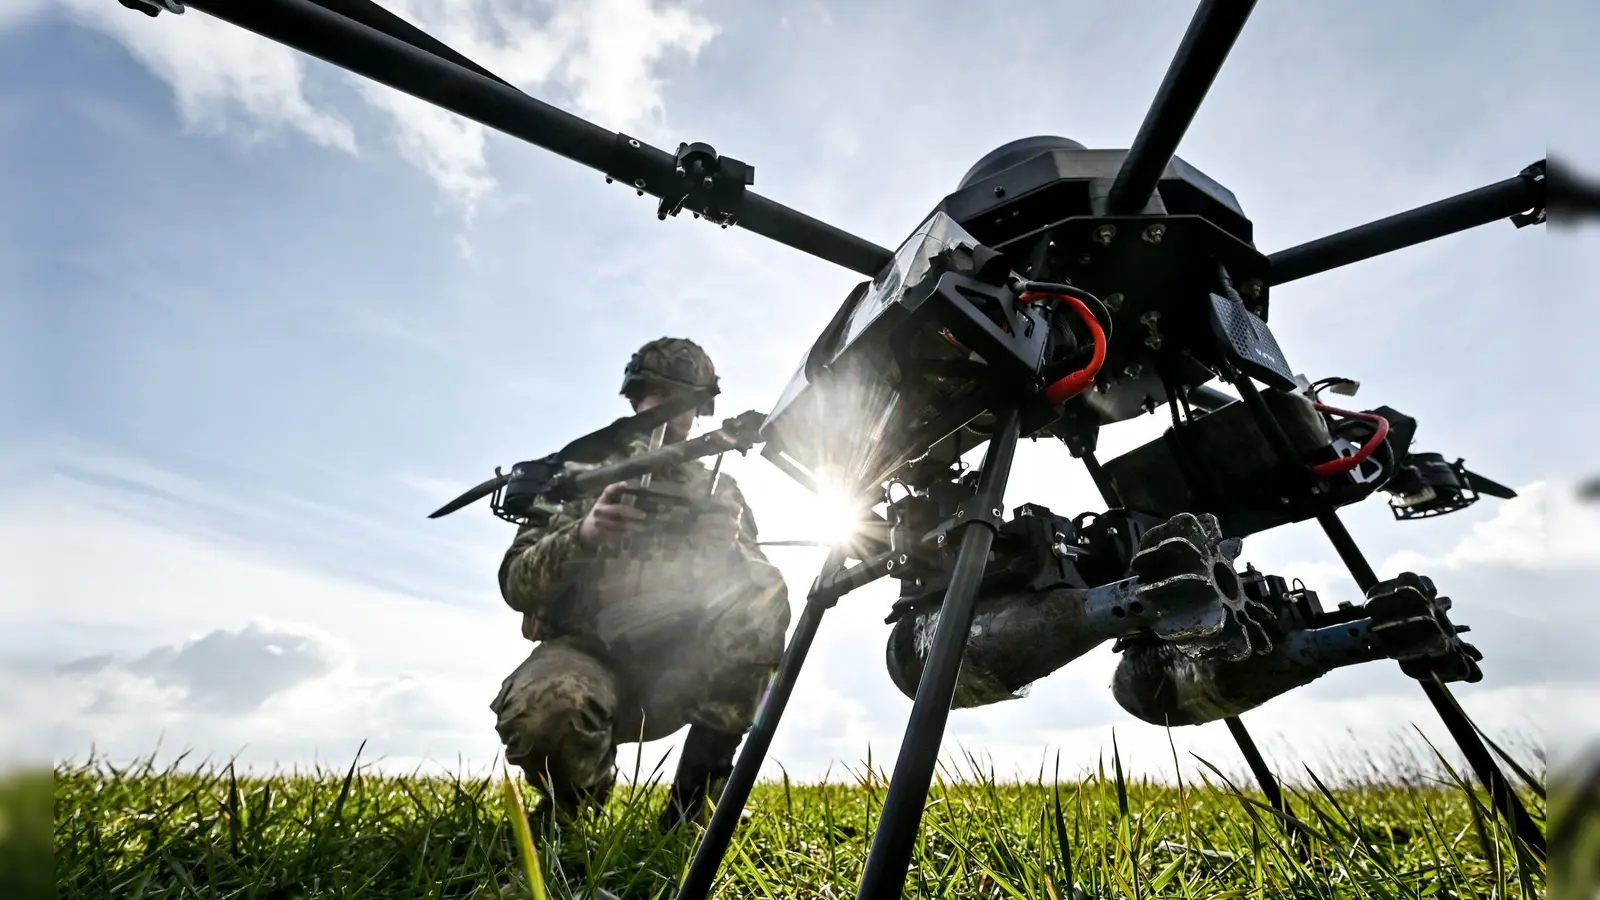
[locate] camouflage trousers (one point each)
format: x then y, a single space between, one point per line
562 713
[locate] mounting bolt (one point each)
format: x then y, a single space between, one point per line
1252 288
1114 302
680 171
939 540
633 143
999 191
1154 233
1132 370
638 183
1150 319
1104 234
706 182
995 512
903 559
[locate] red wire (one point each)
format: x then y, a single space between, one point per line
951 340
1335 468
1072 385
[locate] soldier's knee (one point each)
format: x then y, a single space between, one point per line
555 715
750 630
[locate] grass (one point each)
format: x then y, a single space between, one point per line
203 831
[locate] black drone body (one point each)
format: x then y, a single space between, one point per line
1057 291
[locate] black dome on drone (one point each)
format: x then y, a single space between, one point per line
1007 155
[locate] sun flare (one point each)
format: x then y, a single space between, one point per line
826 517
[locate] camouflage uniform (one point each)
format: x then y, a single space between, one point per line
681 623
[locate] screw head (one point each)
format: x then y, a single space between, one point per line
638 182
999 191
1114 302
633 143
1155 233
1104 234
1252 288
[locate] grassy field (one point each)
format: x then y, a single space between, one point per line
202 832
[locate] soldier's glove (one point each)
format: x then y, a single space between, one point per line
704 767
1410 624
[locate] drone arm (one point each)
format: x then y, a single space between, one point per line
405 59
738 433
1511 199
1212 32
374 16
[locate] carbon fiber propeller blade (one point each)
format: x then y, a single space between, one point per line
1486 486
470 497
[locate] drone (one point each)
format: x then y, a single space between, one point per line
1058 290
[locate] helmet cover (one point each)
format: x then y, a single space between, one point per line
667 366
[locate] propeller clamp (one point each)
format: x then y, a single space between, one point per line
1535 215
712 186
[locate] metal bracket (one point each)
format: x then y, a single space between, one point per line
153 8
708 185
713 186
971 511
1535 216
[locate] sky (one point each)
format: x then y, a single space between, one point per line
262 317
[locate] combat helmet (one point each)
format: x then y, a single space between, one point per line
669 365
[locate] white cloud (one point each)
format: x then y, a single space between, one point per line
217 69
605 54
1545 526
15 13
224 671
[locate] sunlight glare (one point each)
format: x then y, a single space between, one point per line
827 517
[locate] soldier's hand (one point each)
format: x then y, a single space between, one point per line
609 518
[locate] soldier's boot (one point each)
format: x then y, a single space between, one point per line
703 770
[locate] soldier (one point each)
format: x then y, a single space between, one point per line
644 621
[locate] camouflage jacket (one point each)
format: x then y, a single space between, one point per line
641 591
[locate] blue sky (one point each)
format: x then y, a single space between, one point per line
266 318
